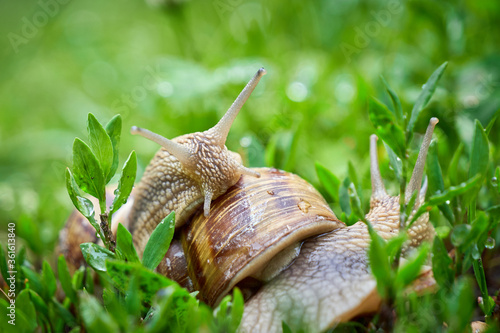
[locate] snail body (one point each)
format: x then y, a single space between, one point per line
276 229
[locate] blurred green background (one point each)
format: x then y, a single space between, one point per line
174 67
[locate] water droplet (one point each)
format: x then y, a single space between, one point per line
297 91
245 141
490 243
447 202
494 182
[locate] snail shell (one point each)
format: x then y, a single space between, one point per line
256 224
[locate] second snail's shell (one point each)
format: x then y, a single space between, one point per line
248 226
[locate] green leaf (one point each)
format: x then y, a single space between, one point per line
39 303
394 244
115 305
64 313
158 243
496 180
386 127
22 322
77 280
478 227
441 264
351 171
479 156
25 305
125 184
89 281
149 282
285 327
344 201
236 309
100 144
487 305
355 203
396 163
49 279
454 165
449 194
379 263
34 280
410 206
133 298
424 97
125 245
460 234
65 279
398 110
87 171
460 306
175 310
83 205
436 182
96 256
114 129
95 317
329 181
229 312
492 122
410 270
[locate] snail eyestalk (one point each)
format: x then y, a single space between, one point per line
378 188
180 152
416 177
221 129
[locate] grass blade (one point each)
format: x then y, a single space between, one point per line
159 242
424 97
125 184
100 144
114 128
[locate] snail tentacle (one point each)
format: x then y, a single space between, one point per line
378 188
418 171
221 129
179 151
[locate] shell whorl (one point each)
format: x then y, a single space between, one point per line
248 226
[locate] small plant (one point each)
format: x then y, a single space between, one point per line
93 167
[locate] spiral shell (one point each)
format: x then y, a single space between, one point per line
255 221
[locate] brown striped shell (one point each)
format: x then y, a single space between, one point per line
250 224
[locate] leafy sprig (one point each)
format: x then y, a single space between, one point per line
93 167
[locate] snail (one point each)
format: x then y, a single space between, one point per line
264 230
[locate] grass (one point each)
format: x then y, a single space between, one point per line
177 68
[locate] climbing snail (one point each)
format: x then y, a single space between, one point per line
266 231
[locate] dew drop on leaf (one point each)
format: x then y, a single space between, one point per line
490 243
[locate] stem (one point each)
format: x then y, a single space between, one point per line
108 237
